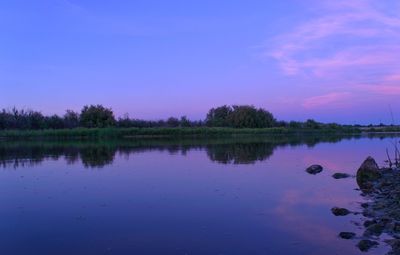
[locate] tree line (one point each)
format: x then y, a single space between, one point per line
98 116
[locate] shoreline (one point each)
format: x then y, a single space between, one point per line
142 133
380 221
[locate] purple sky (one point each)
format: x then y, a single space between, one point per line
328 60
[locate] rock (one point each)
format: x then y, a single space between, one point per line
368 223
340 211
364 205
365 245
314 169
374 229
340 175
395 244
347 235
368 173
396 228
369 213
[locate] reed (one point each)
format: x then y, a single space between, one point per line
96 133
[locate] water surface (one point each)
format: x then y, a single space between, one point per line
216 196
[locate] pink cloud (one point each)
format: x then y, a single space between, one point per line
382 89
348 39
332 99
393 78
365 58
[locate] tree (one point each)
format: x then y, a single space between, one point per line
71 119
218 117
295 124
54 122
239 116
310 123
185 122
97 116
32 120
281 123
249 117
172 122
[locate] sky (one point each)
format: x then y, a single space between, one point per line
333 61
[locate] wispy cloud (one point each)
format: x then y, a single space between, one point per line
357 41
390 90
332 99
393 78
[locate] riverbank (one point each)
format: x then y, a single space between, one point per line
96 133
381 186
380 219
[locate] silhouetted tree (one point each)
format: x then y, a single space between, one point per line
281 123
249 117
54 122
239 116
295 124
310 123
71 119
34 120
97 116
218 117
185 122
172 122
21 119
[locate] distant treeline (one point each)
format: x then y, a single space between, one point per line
98 116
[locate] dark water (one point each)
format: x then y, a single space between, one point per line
220 196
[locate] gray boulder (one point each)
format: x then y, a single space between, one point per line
367 174
340 211
340 175
365 245
347 235
314 169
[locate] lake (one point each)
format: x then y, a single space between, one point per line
217 196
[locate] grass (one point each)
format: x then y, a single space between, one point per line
97 133
381 129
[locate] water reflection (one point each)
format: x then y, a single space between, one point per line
241 150
147 202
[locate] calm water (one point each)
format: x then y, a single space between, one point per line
232 196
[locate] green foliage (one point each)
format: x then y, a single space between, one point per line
239 116
97 116
172 122
223 120
54 122
184 122
218 117
312 124
250 117
295 124
99 133
71 119
21 119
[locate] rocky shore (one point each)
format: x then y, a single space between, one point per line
381 212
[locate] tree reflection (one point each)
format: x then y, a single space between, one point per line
240 153
245 150
97 156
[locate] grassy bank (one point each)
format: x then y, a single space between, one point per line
96 133
381 129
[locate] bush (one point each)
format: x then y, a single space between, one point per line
244 116
71 119
97 116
